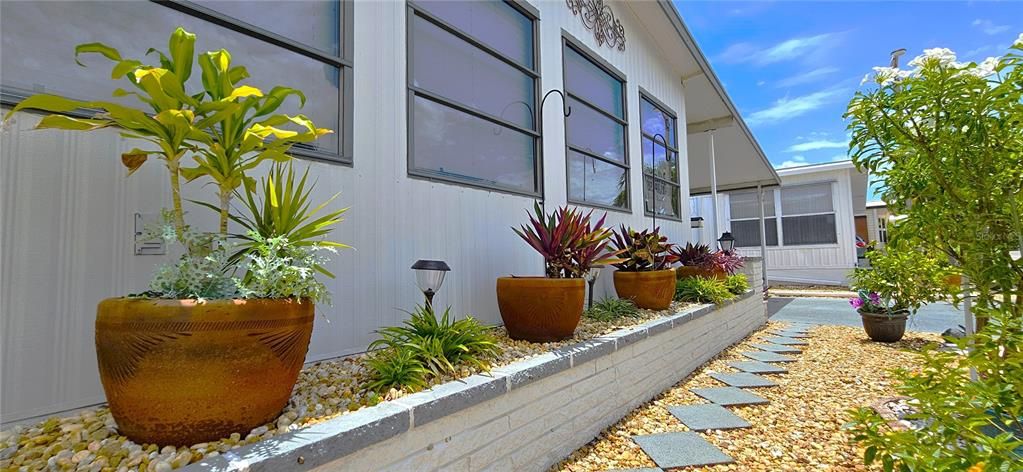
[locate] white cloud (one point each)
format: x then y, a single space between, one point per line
989 27
796 161
839 157
784 51
760 83
787 108
817 144
807 77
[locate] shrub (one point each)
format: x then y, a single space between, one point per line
702 290
396 368
441 345
642 250
611 309
899 278
737 284
962 423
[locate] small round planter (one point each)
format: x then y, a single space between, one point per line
180 372
652 290
696 271
540 309
884 328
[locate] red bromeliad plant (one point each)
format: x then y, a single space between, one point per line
643 250
724 261
568 242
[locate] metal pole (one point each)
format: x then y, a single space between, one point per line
653 173
713 186
763 236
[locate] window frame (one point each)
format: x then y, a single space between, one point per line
668 111
780 213
567 41
343 62
773 192
412 10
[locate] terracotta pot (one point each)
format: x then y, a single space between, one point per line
179 372
697 271
540 309
884 328
652 290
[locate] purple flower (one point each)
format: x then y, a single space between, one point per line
856 302
874 298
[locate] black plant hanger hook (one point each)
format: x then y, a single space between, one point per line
567 110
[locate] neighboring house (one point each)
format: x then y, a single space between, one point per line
877 223
440 149
810 222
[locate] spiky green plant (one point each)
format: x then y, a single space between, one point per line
702 290
737 283
612 309
396 368
443 344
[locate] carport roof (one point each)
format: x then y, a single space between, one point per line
740 161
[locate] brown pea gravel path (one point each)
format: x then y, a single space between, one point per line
800 429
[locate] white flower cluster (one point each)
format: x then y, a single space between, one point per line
943 57
1019 41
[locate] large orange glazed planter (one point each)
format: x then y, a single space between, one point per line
180 372
540 309
697 271
652 290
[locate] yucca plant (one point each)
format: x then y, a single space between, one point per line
569 243
643 250
443 344
279 206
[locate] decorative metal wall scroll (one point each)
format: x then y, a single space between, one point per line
598 17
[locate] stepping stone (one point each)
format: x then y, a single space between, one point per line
704 417
729 396
791 334
799 327
777 348
671 450
756 367
786 341
768 357
642 469
742 380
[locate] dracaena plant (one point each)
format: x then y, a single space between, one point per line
642 250
570 244
695 255
226 128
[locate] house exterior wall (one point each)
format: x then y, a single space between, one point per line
876 218
68 215
819 263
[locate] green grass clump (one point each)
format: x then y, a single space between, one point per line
702 290
738 284
396 368
610 309
437 346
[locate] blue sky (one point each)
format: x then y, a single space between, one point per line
791 67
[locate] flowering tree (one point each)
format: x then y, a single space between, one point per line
946 140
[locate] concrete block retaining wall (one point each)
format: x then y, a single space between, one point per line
524 416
